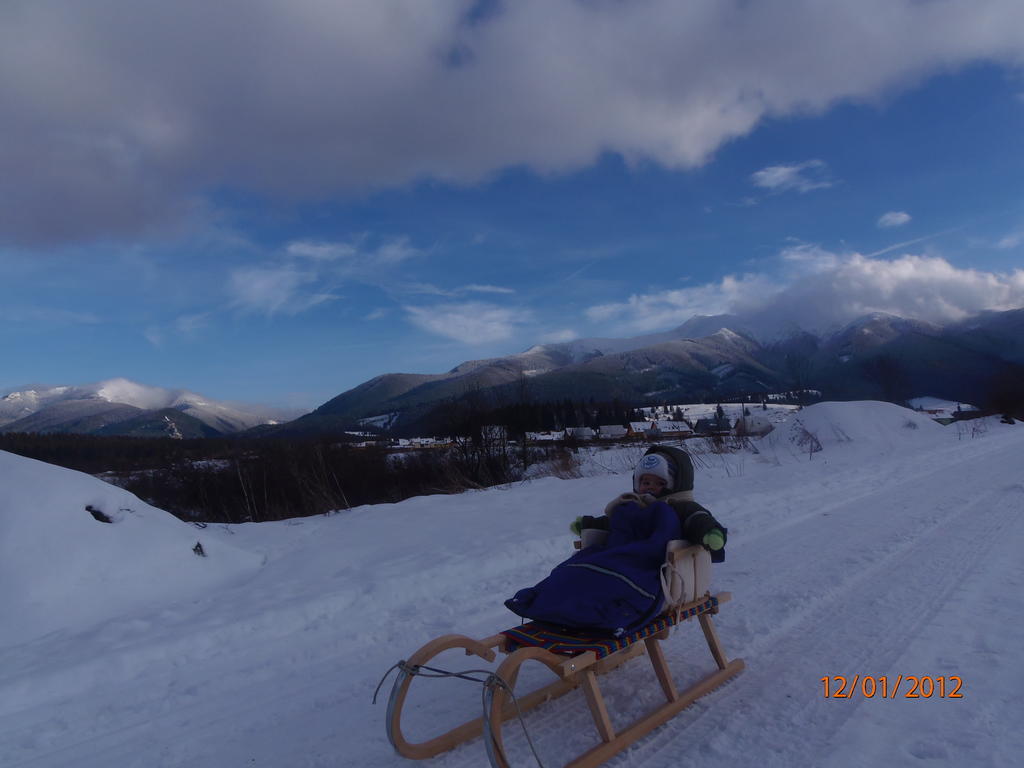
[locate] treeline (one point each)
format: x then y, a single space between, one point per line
466 416
235 481
93 454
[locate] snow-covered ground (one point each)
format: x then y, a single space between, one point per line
775 413
895 550
939 408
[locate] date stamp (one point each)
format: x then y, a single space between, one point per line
901 686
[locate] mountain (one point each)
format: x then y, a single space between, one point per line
879 355
537 366
123 407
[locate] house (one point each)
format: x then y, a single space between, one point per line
711 426
753 425
579 433
673 428
541 437
641 428
614 432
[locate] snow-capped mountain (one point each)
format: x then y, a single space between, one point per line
105 404
878 355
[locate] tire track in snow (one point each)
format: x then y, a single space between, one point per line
856 618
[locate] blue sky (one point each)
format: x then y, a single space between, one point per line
274 202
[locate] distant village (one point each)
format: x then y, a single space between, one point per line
664 422
675 422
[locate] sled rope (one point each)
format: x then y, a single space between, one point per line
489 682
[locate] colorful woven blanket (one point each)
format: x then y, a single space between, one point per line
557 640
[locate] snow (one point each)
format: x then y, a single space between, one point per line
894 550
940 408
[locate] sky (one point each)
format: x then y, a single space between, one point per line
275 201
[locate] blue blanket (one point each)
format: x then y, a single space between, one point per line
607 589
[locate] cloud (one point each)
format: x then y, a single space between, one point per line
154 335
486 289
664 309
471 322
192 324
308 272
893 219
802 177
556 337
273 290
354 256
1010 241
818 290
109 130
321 251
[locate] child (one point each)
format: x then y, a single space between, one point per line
665 473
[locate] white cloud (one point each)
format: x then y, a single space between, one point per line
655 311
354 256
808 258
133 132
191 324
819 290
1010 241
486 289
470 322
556 337
154 335
308 272
273 290
321 251
893 219
803 177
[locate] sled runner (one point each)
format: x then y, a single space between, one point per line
577 661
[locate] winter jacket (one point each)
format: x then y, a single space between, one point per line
694 520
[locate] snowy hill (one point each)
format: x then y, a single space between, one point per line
893 550
100 406
61 567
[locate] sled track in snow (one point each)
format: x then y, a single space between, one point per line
817 592
865 597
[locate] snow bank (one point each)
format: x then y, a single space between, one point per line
61 567
866 423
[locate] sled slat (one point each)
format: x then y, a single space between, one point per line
642 727
657 654
597 708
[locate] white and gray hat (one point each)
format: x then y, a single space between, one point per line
655 464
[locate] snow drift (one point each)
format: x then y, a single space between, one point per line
61 567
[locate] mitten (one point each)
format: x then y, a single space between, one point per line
714 539
576 525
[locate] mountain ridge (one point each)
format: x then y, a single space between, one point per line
140 409
875 355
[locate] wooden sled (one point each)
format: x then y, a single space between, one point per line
577 662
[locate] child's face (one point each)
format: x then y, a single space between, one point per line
651 484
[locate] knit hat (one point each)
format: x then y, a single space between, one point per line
655 464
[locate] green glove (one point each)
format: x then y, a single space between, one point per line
576 525
714 539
